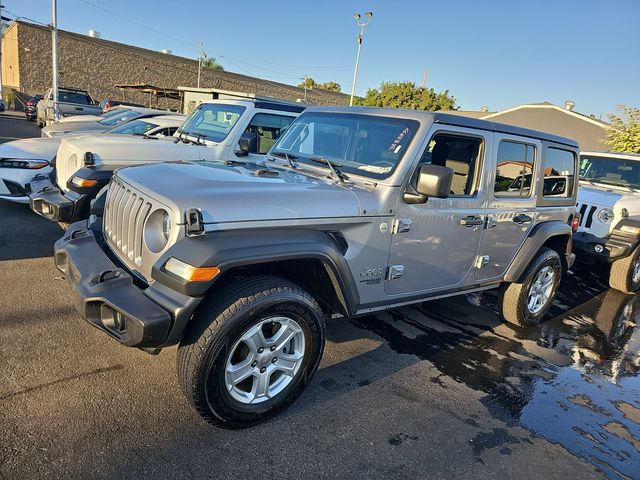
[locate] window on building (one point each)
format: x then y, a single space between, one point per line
459 153
559 173
514 170
268 127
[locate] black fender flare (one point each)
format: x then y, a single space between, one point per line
228 250
538 236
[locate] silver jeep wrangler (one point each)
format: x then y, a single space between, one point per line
354 210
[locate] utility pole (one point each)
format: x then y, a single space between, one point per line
1 31
200 45
424 79
362 24
54 56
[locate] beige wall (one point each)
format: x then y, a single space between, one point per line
10 63
97 65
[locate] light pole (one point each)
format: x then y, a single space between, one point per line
54 57
1 51
361 24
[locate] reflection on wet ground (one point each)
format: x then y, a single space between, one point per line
573 381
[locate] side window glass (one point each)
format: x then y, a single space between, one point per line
514 172
268 128
459 153
559 173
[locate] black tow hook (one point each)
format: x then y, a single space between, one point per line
108 275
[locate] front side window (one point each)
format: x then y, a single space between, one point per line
269 128
135 127
459 153
611 171
212 121
514 170
360 144
559 173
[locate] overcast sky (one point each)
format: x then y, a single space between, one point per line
497 53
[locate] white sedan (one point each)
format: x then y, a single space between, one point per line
23 161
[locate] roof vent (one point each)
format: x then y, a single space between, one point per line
484 108
167 51
569 104
94 34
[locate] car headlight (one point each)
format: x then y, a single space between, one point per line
605 215
157 230
20 163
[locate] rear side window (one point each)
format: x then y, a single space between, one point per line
514 172
268 128
559 173
459 153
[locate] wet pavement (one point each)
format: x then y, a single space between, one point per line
441 389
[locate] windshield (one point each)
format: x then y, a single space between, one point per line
134 127
612 171
212 121
361 144
118 117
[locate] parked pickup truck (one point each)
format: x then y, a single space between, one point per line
218 130
355 210
71 101
26 162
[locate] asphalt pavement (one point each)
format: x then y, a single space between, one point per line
437 390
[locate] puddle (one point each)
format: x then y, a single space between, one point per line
573 381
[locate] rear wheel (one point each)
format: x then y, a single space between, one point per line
251 353
525 304
625 273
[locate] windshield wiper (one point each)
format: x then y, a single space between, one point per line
336 174
621 183
288 157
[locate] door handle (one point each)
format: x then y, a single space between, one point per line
522 218
471 221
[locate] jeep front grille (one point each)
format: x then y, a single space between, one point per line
68 162
586 212
124 215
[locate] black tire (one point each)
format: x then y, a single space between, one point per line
512 297
216 327
621 275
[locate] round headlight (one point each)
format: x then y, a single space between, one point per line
605 215
157 230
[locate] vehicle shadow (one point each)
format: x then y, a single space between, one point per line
24 234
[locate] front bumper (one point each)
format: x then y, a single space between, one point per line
48 201
107 296
592 249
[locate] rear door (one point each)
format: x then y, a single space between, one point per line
511 208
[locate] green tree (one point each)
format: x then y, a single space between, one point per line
210 62
407 95
309 83
623 135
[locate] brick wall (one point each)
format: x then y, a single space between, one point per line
97 65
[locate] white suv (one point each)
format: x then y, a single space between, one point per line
609 207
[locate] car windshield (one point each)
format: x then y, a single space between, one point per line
119 116
612 171
74 97
212 121
134 127
360 144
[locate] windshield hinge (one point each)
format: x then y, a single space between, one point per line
194 226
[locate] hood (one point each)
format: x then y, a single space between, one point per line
114 149
80 118
597 195
73 128
233 194
32 148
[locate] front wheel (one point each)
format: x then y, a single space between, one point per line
251 352
525 304
625 273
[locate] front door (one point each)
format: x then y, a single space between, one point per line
511 209
435 243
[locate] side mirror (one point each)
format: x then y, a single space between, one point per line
247 144
433 181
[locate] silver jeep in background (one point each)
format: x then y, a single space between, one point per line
354 210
